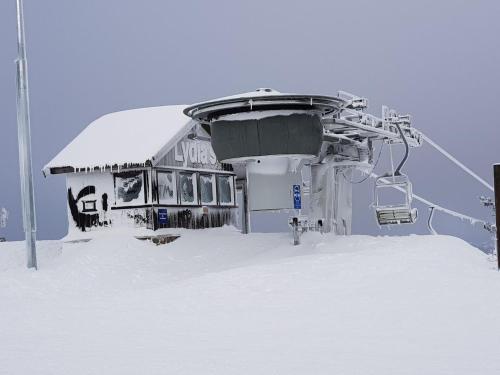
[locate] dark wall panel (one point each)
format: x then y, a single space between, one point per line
298 133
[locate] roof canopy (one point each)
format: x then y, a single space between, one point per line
130 137
263 100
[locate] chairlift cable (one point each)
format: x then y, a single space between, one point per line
455 161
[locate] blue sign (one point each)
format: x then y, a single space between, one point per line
297 199
162 216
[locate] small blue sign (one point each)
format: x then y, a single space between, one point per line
162 216
297 199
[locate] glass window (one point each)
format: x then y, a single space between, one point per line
129 187
226 190
207 189
188 188
167 189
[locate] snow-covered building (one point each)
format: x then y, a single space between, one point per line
190 166
159 171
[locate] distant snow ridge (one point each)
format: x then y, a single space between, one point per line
219 302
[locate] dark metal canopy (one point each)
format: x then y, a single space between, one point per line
263 100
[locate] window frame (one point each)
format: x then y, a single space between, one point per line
119 202
233 191
175 199
214 189
196 193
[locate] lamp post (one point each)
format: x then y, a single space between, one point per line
24 138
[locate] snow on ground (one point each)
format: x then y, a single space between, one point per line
218 302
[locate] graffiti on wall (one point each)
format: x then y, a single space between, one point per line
84 216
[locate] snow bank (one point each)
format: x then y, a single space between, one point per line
218 302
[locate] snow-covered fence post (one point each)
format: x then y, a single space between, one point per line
496 173
4 215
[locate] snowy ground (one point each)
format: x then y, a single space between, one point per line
218 302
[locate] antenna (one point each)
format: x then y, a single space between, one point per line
24 138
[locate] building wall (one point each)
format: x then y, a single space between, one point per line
194 150
187 188
93 199
89 198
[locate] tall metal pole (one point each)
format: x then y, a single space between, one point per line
496 173
24 138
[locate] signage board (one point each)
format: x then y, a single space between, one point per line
162 216
297 199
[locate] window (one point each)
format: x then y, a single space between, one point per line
226 190
207 189
129 187
89 206
167 188
188 188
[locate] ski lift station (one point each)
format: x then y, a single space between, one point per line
214 163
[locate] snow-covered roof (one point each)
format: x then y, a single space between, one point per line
261 99
252 94
127 137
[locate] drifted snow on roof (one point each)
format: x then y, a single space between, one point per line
128 137
250 94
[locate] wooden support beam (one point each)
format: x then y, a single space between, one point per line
496 173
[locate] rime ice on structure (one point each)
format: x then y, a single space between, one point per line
212 163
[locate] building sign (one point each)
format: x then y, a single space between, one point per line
162 216
194 152
297 199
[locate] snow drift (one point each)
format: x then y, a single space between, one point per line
218 302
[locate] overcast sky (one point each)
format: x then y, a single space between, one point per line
438 60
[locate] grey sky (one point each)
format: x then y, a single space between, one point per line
437 60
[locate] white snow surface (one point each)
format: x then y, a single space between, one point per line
244 95
219 302
133 136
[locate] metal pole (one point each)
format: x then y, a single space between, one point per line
429 222
496 173
246 204
24 138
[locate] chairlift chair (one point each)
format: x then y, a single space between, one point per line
399 213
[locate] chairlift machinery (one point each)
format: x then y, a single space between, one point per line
266 133
392 128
